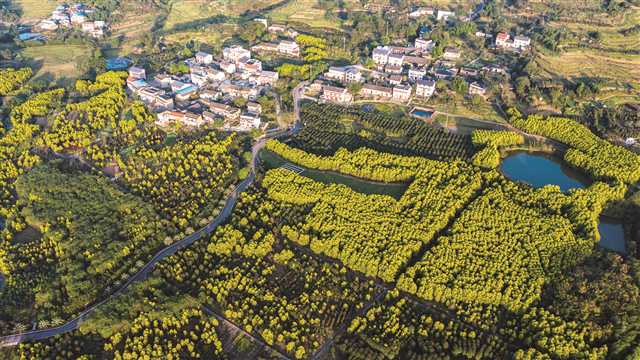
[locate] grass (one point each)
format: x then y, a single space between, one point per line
184 11
304 11
591 63
55 61
135 23
36 9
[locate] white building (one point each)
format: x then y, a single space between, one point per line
402 93
137 73
381 54
235 53
204 58
336 95
425 88
477 89
345 74
521 42
424 45
416 74
444 15
395 60
421 12
290 48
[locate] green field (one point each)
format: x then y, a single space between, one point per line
304 11
36 9
185 11
55 61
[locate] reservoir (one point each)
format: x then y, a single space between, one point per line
538 170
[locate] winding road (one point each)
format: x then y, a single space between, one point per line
15 339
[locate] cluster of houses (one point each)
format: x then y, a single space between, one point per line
206 94
430 11
402 73
284 47
76 15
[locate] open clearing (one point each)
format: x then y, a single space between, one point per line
591 63
185 11
36 9
55 61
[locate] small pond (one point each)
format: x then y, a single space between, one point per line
395 190
538 170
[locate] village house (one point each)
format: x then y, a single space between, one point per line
235 53
451 53
204 58
137 73
336 95
162 80
416 61
521 42
477 89
370 90
249 121
254 107
228 67
267 78
225 111
424 46
395 60
277 28
186 93
425 88
421 12
184 117
444 15
48 25
391 69
402 93
251 66
268 47
344 74
417 74
395 79
290 48
381 54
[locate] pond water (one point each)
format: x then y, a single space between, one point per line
395 190
422 114
538 170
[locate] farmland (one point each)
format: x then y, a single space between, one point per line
56 61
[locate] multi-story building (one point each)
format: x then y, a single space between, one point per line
249 121
183 117
395 60
204 58
345 74
424 46
477 89
381 54
395 79
290 48
417 74
137 73
226 111
252 66
444 15
228 67
402 93
255 108
336 95
425 88
421 12
521 42
235 53
503 40
452 53
267 78
370 90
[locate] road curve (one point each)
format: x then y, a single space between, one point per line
15 339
